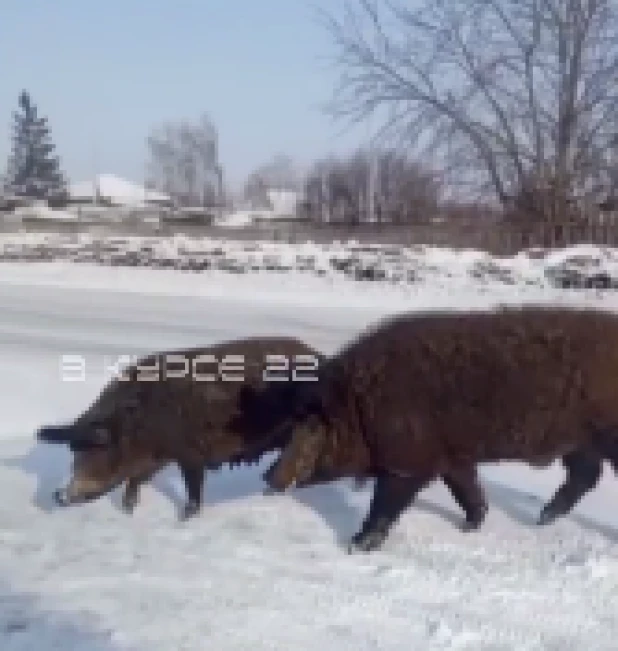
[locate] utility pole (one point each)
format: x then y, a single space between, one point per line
372 185
219 200
95 183
325 199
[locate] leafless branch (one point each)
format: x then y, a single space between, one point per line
526 89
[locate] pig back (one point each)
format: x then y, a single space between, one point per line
434 390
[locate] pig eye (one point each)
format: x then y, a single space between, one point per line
97 435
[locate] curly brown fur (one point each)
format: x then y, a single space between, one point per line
425 395
135 427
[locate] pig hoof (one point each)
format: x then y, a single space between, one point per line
353 547
128 506
469 525
474 520
546 517
189 511
366 542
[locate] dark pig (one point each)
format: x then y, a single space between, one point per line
194 407
435 394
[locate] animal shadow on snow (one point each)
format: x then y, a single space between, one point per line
524 507
521 506
24 625
341 510
51 464
230 485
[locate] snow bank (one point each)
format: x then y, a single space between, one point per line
576 267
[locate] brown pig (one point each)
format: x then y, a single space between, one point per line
194 407
434 394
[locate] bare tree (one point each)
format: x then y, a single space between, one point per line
256 191
183 161
406 191
336 189
162 160
279 173
403 191
520 95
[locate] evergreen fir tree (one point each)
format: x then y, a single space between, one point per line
33 170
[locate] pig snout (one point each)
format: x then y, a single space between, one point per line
75 493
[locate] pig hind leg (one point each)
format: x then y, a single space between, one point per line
583 468
391 496
463 483
193 477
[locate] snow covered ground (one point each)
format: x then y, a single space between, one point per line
268 573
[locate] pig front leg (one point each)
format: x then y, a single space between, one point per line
463 483
130 497
391 497
193 476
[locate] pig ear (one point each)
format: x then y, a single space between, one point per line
55 433
77 437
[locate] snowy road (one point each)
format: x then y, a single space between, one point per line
254 572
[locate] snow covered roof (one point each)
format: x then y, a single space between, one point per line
116 190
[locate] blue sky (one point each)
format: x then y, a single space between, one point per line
105 72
